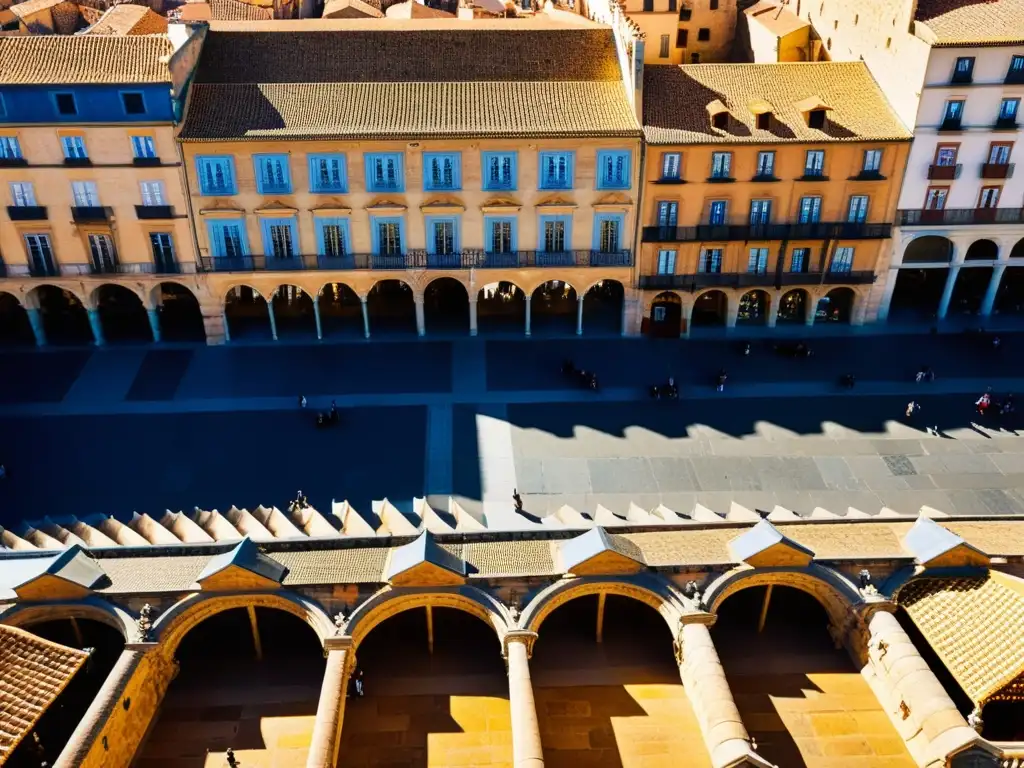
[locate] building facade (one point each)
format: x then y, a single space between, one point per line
769 194
684 31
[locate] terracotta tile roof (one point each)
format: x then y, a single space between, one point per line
961 22
410 9
236 10
33 672
30 7
129 20
775 17
975 625
84 59
676 101
455 80
350 9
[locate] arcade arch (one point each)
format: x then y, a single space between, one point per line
711 308
666 318
602 307
754 307
793 306
501 308
553 308
341 311
181 318
246 314
64 317
391 307
446 306
15 328
123 317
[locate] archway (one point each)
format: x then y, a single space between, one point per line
15 329
55 727
1010 297
607 687
754 308
836 306
181 319
248 679
982 250
64 318
710 309
501 308
293 312
798 695
929 249
391 307
602 307
246 314
917 293
666 320
793 306
446 306
122 314
553 308
436 693
969 290
341 311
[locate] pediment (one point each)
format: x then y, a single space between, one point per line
276 208
424 563
71 575
598 552
764 546
242 568
223 207
556 201
386 204
427 575
934 546
48 587
614 198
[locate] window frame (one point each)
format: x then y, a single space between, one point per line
50 254
1014 113
91 189
993 191
320 224
947 117
314 159
160 186
879 153
619 219
939 192
258 161
713 205
765 205
429 158
994 145
369 161
11 185
498 155
489 222
665 162
843 256
674 211
71 140
704 34
56 96
124 105
570 164
627 165
173 258
429 222
727 165
669 261
866 209
231 177
15 143
770 174
544 220
809 168
704 258
805 260
665 47
214 234
375 222
816 208
143 140
760 267
266 225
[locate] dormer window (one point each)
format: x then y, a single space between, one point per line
815 112
762 112
720 121
764 121
816 119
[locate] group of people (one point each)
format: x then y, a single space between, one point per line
985 404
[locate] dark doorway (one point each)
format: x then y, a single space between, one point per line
793 307
122 314
553 308
666 320
64 318
446 306
969 290
917 293
602 307
392 307
501 308
181 319
929 249
15 328
710 309
341 311
754 308
1010 297
246 314
836 306
293 312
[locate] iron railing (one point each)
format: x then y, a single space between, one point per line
698 281
996 170
154 211
947 216
944 172
89 213
27 212
842 230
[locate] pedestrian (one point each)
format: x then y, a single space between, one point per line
920 376
359 682
302 401
722 376
983 403
232 760
517 500
912 408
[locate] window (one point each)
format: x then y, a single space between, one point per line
10 148
74 147
999 154
760 211
721 165
713 5
85 194
703 34
65 103
101 250
757 263
648 6
499 170
668 212
133 103
842 261
685 13
613 169
3 106
766 164
954 113
800 260
670 165
22 194
143 146
710 260
441 171
280 238
695 58
1008 110
216 175
384 172
964 70
152 193
500 235
1016 71
442 235
945 155
663 51
227 238
608 236
666 262
327 173
720 120
272 174
554 233
764 121
989 197
810 210
672 6
387 237
872 161
858 209
40 254
681 38
332 238
556 170
814 164
935 199
718 212
162 246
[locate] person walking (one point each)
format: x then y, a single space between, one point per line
912 408
983 403
722 376
359 682
920 375
302 401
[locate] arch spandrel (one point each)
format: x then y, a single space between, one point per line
91 608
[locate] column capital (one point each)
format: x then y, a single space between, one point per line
338 643
524 636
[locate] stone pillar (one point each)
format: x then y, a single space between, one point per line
732 311
35 319
624 320
686 316
700 669
97 327
330 711
529 301
860 308
890 287
947 292
154 322
993 289
526 747
812 309
366 317
273 320
421 323
227 328
579 315
773 311
472 317
316 316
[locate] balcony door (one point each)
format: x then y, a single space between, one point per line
101 250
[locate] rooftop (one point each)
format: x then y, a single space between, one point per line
84 59
129 20
965 22
30 7
350 9
410 9
679 102
776 18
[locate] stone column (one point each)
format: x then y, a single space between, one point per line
472 317
227 328
97 327
686 315
860 309
330 711
993 289
812 309
624 320
273 320
579 315
366 317
154 322
526 746
947 292
890 287
529 300
316 316
700 669
773 311
421 323
35 319
732 311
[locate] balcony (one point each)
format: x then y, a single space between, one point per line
962 78
867 176
951 124
670 180
841 230
1006 124
721 179
960 216
27 212
89 214
764 178
701 280
810 174
154 211
43 269
145 162
77 162
13 162
944 172
1014 77
996 170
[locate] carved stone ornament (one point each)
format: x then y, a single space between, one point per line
341 621
144 624
513 612
974 719
677 644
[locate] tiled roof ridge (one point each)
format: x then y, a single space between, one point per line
84 59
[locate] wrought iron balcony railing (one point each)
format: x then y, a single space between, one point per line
701 280
960 216
27 212
822 230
